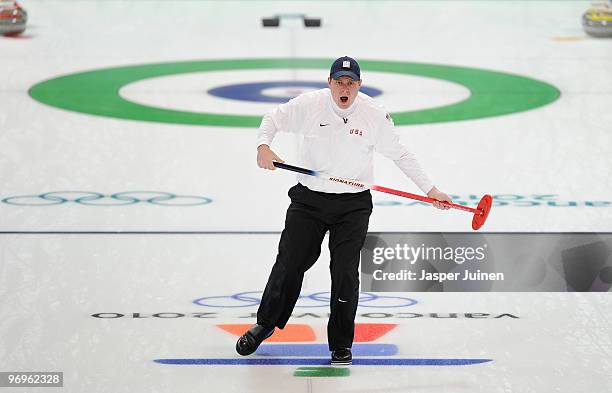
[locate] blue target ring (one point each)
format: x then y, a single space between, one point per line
254 92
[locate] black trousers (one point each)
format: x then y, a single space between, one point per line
309 216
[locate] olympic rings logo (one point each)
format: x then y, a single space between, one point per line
99 199
319 299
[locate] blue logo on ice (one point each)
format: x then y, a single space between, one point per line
314 300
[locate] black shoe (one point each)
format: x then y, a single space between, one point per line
341 357
249 341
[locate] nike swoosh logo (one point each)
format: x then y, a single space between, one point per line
323 125
343 301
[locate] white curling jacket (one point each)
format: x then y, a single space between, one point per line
340 142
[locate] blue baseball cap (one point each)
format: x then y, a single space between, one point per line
345 66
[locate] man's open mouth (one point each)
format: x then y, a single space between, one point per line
344 98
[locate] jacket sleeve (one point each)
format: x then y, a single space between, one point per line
388 144
286 117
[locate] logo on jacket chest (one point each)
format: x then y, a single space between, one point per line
356 132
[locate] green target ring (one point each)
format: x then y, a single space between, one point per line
95 92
